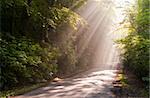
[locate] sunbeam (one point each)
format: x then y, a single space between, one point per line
99 16
96 37
103 18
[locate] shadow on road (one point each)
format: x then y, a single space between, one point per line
92 84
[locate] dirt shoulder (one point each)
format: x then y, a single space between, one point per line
127 85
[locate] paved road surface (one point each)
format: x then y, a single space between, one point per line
91 84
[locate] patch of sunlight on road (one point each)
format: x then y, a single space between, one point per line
92 83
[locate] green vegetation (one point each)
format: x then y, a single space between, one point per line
21 90
136 44
35 46
25 61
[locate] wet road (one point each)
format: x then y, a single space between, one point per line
102 17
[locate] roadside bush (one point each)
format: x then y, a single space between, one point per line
23 61
136 54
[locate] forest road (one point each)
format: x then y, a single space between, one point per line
96 82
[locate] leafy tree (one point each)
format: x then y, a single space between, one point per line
137 43
31 39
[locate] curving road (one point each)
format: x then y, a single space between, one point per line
102 17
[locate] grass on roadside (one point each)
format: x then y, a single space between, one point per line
131 84
20 90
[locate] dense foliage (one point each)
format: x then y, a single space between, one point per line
34 43
25 61
137 43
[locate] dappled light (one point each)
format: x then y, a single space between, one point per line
94 83
97 34
75 48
